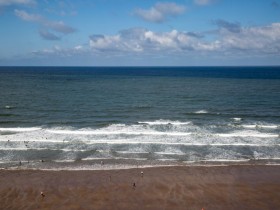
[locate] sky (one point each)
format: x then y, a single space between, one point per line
139 32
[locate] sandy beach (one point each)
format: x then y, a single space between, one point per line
182 187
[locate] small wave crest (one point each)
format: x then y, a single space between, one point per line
201 112
255 126
248 134
237 119
164 122
9 107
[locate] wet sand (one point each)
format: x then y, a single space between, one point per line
183 187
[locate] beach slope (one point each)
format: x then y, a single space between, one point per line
183 187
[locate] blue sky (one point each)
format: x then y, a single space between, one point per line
139 32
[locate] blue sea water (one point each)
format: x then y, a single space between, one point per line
77 116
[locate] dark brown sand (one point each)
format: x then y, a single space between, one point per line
194 187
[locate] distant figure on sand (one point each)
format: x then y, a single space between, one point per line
142 173
134 185
42 194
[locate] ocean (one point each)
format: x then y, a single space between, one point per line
119 117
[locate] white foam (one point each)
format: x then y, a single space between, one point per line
131 152
177 143
164 122
169 153
269 126
104 132
20 129
122 158
14 149
275 158
237 119
249 126
260 126
95 158
226 160
71 150
115 158
35 140
257 135
167 159
201 112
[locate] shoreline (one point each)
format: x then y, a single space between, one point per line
120 164
163 187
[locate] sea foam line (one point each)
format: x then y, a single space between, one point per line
20 129
226 160
181 143
261 126
35 140
39 149
131 152
118 133
169 153
164 122
247 135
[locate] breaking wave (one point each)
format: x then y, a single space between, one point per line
160 140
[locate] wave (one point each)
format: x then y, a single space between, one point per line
226 160
201 112
9 107
103 132
20 129
257 135
131 152
35 140
237 118
253 126
170 153
167 159
164 122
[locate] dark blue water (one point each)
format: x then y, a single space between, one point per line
142 113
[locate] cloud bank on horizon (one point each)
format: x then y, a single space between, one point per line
178 32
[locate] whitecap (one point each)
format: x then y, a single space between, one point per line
201 112
164 122
261 126
237 119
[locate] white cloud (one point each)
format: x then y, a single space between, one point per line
203 2
262 39
16 2
142 40
57 26
28 17
58 51
160 12
250 40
